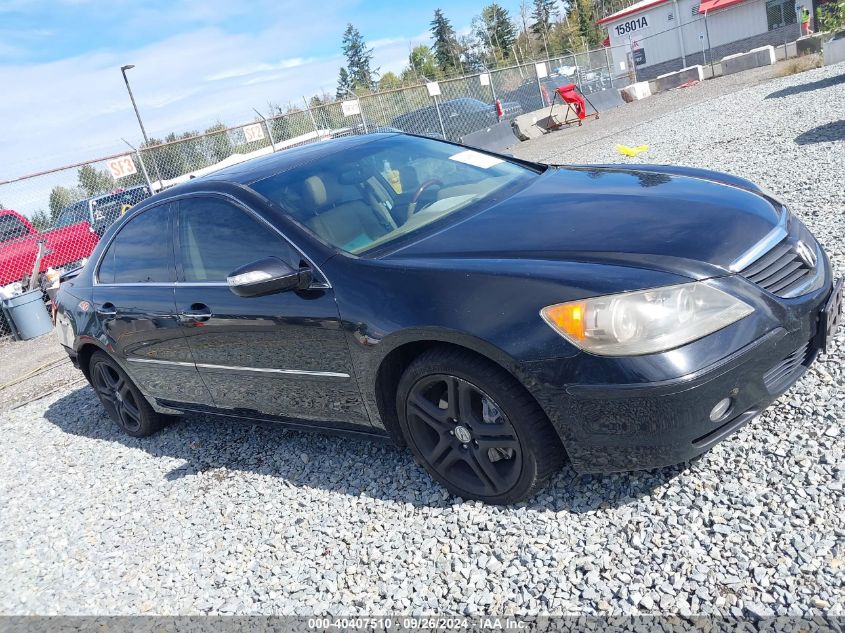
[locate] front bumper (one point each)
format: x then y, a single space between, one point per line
650 424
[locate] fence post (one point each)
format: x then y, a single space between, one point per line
267 127
311 116
141 163
144 170
709 48
439 116
383 111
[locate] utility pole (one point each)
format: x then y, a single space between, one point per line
123 70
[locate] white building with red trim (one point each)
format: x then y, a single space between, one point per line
659 36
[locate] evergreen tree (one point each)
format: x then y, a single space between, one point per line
497 29
344 84
358 58
542 15
445 46
587 26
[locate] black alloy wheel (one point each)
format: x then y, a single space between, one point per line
121 398
463 435
475 428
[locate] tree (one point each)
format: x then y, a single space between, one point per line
495 28
422 61
542 15
358 58
389 81
445 46
94 181
344 84
587 26
60 197
41 220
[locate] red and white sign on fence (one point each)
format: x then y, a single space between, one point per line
121 167
253 132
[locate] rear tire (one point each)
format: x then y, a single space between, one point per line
474 428
121 399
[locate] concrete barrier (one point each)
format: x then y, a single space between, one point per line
536 123
604 100
834 50
763 56
635 92
677 78
809 44
494 138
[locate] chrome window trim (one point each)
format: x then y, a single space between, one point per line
769 241
194 194
264 370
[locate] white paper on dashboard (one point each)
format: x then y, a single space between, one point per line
476 159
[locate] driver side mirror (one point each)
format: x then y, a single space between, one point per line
267 276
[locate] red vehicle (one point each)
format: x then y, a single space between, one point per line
19 246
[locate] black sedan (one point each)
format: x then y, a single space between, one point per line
494 315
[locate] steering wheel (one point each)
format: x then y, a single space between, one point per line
412 206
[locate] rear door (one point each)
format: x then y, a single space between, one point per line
134 297
281 355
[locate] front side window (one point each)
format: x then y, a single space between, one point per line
379 191
142 252
216 238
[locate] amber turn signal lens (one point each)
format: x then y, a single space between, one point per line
568 317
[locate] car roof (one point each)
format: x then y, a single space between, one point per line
265 166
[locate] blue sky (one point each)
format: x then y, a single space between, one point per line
197 62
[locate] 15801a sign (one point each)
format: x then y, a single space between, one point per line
631 25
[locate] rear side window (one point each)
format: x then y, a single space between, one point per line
142 252
216 238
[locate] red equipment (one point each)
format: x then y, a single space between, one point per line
576 106
499 111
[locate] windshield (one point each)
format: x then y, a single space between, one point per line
380 191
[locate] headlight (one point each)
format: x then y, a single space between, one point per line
645 321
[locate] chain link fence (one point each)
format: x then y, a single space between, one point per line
52 220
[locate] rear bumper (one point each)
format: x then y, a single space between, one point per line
636 426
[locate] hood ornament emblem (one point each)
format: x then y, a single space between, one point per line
806 254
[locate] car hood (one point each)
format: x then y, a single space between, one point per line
679 220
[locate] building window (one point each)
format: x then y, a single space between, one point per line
779 13
695 9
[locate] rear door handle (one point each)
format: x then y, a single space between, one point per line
197 313
107 310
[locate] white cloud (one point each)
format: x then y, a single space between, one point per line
75 109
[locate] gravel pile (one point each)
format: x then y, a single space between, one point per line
216 517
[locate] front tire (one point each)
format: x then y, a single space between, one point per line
121 399
474 428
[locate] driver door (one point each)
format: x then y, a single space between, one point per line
280 355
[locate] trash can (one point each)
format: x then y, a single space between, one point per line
28 314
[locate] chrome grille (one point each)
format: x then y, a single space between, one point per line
781 271
785 368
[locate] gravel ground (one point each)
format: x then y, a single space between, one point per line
217 517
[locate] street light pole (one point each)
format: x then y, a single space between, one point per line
123 70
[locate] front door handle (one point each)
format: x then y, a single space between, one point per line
197 313
107 310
